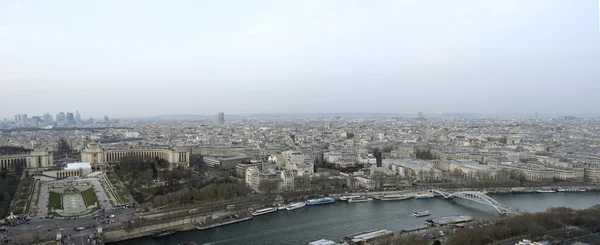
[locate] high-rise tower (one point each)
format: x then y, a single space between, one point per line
221 118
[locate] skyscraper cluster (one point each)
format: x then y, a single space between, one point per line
61 118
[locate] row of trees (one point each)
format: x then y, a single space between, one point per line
406 240
226 190
143 175
13 150
424 154
555 222
64 148
8 186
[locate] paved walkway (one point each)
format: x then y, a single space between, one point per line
42 204
47 182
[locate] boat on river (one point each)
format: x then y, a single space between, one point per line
570 190
545 191
160 234
393 197
346 198
283 207
367 236
322 242
424 196
319 201
422 213
360 199
296 206
263 211
448 220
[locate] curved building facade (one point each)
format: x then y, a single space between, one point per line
38 158
95 154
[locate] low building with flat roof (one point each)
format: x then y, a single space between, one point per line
77 169
225 163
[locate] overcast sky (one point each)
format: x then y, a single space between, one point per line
141 58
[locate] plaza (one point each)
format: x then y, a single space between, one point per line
73 196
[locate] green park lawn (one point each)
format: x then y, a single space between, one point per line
90 197
54 201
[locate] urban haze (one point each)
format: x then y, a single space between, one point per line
300 122
147 58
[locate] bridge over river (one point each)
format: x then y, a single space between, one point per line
478 197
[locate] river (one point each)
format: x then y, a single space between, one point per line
334 221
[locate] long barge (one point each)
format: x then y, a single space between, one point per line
448 220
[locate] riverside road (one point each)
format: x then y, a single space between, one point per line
334 221
49 227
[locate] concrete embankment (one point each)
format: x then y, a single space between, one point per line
179 222
151 227
223 222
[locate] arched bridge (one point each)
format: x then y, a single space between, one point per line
477 197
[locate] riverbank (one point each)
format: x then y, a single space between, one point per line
494 191
227 220
333 221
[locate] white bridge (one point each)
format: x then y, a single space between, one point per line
477 197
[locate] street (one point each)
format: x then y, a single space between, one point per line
50 227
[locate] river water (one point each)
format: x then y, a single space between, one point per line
334 221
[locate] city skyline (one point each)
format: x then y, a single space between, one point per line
419 115
135 60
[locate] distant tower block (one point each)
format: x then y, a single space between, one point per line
221 118
420 115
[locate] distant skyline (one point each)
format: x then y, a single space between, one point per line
146 58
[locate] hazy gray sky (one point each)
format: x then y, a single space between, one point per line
139 58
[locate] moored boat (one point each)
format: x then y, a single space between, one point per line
296 206
360 199
322 242
163 233
570 190
367 236
393 197
319 201
283 207
447 220
424 196
421 214
346 198
263 211
545 191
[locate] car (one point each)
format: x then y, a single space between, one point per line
111 216
39 226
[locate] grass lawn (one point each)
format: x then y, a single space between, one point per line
90 197
20 207
54 201
23 198
122 195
